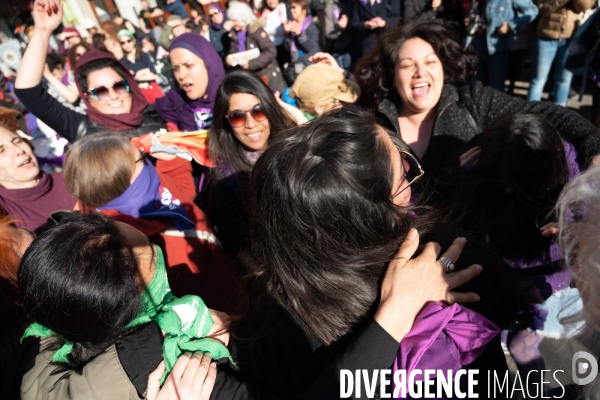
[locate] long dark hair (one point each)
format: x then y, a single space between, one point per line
376 69
224 148
72 53
323 226
514 186
81 280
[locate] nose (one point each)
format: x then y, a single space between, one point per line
420 70
112 94
250 121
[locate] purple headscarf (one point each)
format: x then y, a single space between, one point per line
176 107
223 13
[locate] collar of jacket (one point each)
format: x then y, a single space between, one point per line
388 108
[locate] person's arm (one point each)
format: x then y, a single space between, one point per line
47 16
357 24
180 170
332 30
489 104
549 6
309 41
527 11
70 94
268 51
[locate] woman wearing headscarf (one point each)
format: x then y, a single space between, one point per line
220 26
107 88
199 71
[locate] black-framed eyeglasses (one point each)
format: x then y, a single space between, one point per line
126 41
412 170
101 92
237 118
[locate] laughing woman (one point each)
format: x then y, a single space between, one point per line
199 71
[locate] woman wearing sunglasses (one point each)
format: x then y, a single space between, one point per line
328 214
140 66
247 118
199 71
109 91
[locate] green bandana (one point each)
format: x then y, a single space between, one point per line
186 321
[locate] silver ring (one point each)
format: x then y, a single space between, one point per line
448 264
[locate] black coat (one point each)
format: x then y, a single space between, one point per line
365 38
452 131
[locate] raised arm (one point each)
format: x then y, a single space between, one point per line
47 16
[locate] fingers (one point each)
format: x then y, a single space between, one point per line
455 249
154 381
462 298
456 279
209 382
470 157
431 249
200 371
192 366
409 246
550 229
179 367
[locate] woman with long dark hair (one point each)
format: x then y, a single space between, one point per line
247 117
328 212
521 166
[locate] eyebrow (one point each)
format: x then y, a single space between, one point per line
409 58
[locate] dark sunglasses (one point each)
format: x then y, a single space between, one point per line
127 41
101 92
237 118
214 12
412 169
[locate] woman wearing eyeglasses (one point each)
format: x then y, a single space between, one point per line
220 26
329 210
108 174
247 117
140 66
107 88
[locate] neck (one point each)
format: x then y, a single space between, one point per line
416 118
20 185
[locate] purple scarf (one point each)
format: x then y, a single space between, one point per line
241 39
444 337
175 106
307 21
148 198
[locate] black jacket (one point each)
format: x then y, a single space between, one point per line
452 130
70 124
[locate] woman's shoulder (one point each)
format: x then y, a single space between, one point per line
103 377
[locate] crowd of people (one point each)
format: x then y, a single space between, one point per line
238 201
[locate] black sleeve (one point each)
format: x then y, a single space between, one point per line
140 353
45 107
148 63
490 104
372 348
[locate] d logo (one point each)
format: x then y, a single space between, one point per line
582 363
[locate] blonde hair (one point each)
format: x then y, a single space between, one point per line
99 168
579 237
